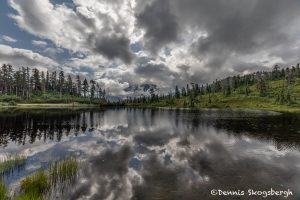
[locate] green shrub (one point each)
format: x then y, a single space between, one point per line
36 185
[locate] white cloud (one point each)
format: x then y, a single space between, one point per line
80 28
39 43
8 39
23 57
74 29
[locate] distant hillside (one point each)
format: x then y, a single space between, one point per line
277 90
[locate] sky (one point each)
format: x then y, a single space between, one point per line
120 43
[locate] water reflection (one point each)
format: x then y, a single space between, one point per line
160 154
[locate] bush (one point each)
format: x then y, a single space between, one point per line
36 185
12 103
10 98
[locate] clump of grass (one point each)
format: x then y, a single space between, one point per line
39 185
63 171
8 164
3 191
35 186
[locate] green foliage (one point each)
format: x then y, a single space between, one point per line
3 191
35 186
9 98
38 185
279 98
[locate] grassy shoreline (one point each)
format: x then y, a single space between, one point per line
223 105
49 105
280 110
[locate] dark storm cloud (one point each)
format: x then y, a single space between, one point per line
242 27
159 23
114 47
232 28
214 38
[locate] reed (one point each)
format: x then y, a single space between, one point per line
40 185
10 163
63 171
3 191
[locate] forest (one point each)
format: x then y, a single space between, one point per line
278 89
32 85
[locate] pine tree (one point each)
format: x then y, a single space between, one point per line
177 92
61 82
85 87
262 85
183 92
93 88
69 85
79 86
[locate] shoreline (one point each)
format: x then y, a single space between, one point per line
279 110
50 105
283 109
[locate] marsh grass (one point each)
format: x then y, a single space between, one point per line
11 163
35 186
3 191
63 171
43 183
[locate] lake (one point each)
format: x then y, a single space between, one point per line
159 153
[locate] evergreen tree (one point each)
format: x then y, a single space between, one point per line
85 87
177 92
79 86
61 82
93 88
69 85
183 92
262 85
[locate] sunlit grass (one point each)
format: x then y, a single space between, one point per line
40 184
35 186
8 164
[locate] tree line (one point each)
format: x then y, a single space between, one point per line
26 82
230 84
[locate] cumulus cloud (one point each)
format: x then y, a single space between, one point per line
87 28
114 47
160 24
22 57
138 41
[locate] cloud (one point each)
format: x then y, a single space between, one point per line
52 52
159 23
22 57
114 47
138 41
83 29
8 39
39 43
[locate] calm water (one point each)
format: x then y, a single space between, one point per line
159 154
